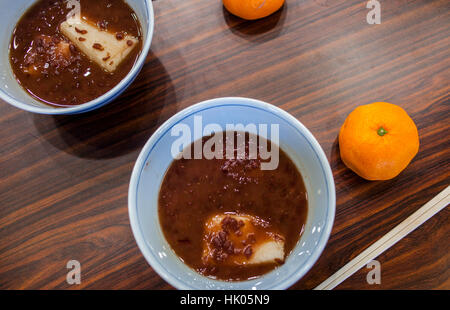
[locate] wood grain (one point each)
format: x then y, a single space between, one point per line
64 179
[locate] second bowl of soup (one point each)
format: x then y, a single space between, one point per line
72 56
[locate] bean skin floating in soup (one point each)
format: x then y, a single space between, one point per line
63 58
227 218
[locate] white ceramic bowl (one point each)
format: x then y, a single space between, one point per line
295 140
14 94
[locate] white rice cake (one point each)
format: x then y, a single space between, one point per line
267 252
102 47
251 243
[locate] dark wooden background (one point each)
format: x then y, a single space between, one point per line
64 179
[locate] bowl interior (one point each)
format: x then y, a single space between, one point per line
14 94
295 140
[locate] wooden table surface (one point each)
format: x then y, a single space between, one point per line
64 179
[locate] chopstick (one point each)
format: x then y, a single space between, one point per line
439 202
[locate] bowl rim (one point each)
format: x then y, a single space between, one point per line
106 97
211 103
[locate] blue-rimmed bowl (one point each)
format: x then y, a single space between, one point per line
14 94
295 140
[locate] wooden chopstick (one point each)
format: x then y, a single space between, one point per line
439 202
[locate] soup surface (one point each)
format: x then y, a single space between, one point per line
213 211
51 68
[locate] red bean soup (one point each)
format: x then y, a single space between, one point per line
227 218
63 66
